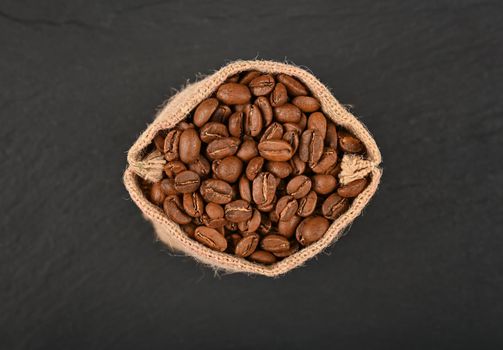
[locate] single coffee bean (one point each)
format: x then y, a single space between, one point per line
292 137
204 111
216 191
254 167
221 148
349 143
311 229
253 120
280 170
157 195
159 142
214 211
189 146
173 168
173 209
279 95
217 223
319 122
237 211
248 149
267 207
287 228
233 78
294 248
307 204
210 238
193 204
299 186
302 124
331 137
249 76
264 188
273 132
201 166
246 246
298 166
245 189
168 187
324 184
352 189
286 207
334 206
265 108
228 169
189 229
171 144
306 104
236 127
221 114
277 150
252 224
293 86
212 131
187 181
262 257
274 243
233 94
287 113
262 85
310 146
327 161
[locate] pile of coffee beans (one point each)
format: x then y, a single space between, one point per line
253 170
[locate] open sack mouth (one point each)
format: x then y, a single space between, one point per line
255 168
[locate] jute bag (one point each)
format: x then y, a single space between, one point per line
150 167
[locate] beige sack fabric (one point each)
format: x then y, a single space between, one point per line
149 167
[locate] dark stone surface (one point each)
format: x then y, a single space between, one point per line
79 268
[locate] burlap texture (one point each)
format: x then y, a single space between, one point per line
149 167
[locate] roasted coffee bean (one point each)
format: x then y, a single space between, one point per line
189 146
334 206
221 114
233 94
262 85
275 243
204 111
157 195
173 209
240 108
349 143
286 207
311 146
171 144
254 167
233 78
302 124
311 229
294 248
232 241
352 189
189 229
247 245
228 169
168 187
159 142
299 186
264 189
277 150
214 211
306 104
201 166
334 170
173 168
249 76
210 238
293 86
293 127
307 204
245 189
265 108
298 166
327 161
287 113
324 184
193 204
236 127
252 224
273 132
212 131
248 149
319 122
279 95
253 120
279 169
267 207
292 137
287 228
238 211
216 191
187 181
263 257
221 148
331 137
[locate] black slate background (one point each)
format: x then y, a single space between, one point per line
79 268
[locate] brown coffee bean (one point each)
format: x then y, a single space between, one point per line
189 146
213 131
264 188
168 187
307 204
221 114
319 122
204 111
214 211
334 206
201 166
327 161
302 124
246 246
249 76
228 169
183 125
273 132
352 189
173 168
287 113
232 241
299 186
265 108
252 224
237 211
157 195
221 148
294 87
236 127
233 94
268 207
331 137
334 170
193 204
233 78
311 229
292 137
279 169
287 228
306 104
324 184
274 243
245 189
294 248
240 108
286 208
298 166
292 127
187 181
189 229
311 146
277 150
349 143
262 85
171 144
248 149
159 142
173 208
253 120
216 191
263 257
210 238
279 95
254 167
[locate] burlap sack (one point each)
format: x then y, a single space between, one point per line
149 167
